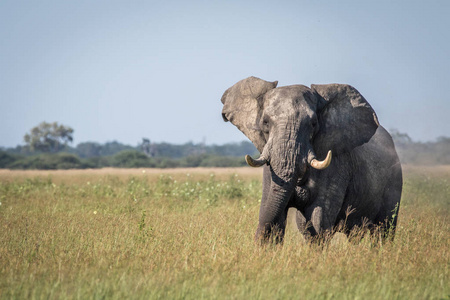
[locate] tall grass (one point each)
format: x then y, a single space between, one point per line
190 236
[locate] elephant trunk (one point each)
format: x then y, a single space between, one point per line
273 213
286 165
288 157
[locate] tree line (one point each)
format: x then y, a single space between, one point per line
47 146
418 153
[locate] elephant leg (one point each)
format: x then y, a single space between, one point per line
303 226
391 202
301 221
327 201
267 182
319 222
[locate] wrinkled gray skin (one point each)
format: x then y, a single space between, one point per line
291 126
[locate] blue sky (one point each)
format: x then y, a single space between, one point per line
124 70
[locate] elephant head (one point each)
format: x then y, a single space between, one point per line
291 126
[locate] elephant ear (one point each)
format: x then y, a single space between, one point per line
242 106
346 119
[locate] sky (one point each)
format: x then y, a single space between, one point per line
125 70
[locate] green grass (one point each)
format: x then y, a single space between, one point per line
190 236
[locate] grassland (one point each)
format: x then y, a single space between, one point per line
188 234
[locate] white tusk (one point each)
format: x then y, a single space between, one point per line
255 162
320 165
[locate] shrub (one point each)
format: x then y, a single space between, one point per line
166 162
7 159
207 160
49 162
132 159
223 161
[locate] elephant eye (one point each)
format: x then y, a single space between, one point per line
265 125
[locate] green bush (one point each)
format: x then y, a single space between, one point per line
124 159
7 159
132 159
49 162
223 161
166 162
207 160
98 162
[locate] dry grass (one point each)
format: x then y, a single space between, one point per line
151 174
165 234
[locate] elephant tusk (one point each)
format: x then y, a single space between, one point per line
255 163
320 165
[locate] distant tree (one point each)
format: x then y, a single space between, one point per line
234 149
48 137
48 161
89 149
114 147
19 149
400 138
147 147
442 149
132 159
421 153
443 139
7 159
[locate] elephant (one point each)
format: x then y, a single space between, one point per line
324 153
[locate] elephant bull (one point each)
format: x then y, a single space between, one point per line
323 152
